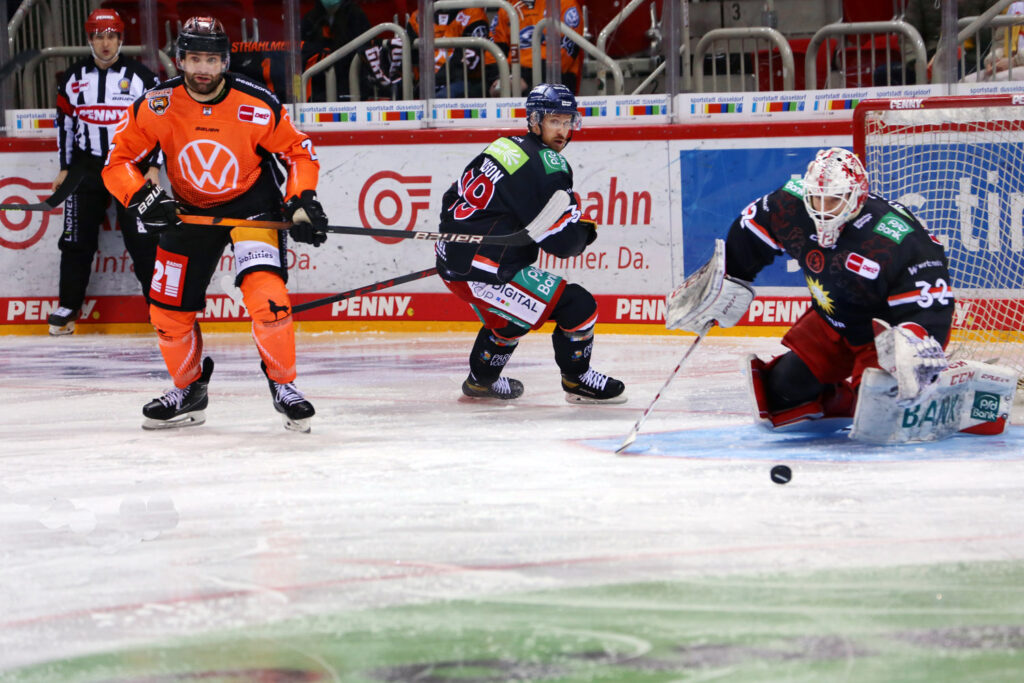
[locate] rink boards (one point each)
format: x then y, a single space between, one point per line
660 195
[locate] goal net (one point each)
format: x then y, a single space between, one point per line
958 164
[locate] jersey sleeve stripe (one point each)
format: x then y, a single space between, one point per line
761 232
485 264
559 225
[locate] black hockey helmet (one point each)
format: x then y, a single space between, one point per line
203 34
551 98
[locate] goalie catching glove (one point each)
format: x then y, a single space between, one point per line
153 207
708 297
308 217
909 354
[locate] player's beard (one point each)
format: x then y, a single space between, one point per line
203 88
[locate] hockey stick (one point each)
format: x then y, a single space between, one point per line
631 437
70 184
366 289
519 238
556 207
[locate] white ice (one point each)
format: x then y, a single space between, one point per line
404 493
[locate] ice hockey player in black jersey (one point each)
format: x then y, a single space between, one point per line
92 97
878 280
522 182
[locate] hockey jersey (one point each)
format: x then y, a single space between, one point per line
572 55
501 191
470 22
216 151
91 101
885 264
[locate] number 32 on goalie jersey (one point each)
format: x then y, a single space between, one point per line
926 295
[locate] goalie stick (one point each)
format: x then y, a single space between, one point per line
631 437
556 206
366 289
64 191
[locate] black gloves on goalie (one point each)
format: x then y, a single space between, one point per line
153 207
308 217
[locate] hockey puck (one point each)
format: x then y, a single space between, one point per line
781 474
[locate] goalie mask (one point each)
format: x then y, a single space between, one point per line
835 187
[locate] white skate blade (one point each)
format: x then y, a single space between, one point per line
193 419
576 398
60 331
302 426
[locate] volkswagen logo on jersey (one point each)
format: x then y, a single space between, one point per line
209 166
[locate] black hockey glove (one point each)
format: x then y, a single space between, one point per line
155 210
591 231
308 217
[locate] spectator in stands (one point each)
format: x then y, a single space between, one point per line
530 13
91 94
1005 60
325 28
926 17
448 62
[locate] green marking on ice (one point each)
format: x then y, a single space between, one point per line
929 624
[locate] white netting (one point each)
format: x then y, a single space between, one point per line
960 168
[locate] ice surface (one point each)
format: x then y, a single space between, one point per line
406 496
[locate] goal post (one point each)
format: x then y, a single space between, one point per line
958 164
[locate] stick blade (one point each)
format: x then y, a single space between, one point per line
627 442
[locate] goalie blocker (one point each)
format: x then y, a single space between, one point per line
708 297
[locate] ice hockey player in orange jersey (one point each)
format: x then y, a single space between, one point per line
530 12
220 133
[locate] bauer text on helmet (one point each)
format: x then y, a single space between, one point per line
835 187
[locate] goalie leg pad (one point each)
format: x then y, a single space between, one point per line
969 396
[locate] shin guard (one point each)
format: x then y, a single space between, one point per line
572 350
270 308
181 343
491 352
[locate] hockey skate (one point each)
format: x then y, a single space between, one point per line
593 387
180 407
502 388
294 408
62 321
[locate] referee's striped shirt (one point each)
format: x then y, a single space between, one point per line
91 101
